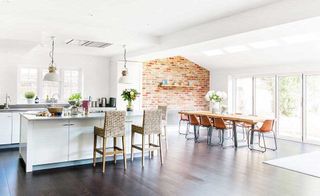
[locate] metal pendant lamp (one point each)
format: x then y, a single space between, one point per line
52 75
125 79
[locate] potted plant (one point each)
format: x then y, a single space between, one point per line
216 98
129 95
74 99
29 95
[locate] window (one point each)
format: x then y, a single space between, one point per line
49 89
265 96
244 95
28 81
71 83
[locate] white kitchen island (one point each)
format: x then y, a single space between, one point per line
50 142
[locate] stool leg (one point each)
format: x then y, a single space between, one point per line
143 145
165 137
132 143
104 155
160 145
149 140
124 152
114 150
94 150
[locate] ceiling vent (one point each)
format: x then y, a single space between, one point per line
86 43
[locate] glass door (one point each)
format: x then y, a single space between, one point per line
265 96
312 109
290 107
244 95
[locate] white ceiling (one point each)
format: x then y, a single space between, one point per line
137 23
296 43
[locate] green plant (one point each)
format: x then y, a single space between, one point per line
129 94
76 97
29 95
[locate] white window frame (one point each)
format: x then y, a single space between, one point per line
40 81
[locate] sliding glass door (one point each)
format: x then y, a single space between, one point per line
312 108
265 96
290 107
243 95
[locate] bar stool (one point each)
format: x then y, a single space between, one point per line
114 126
266 127
194 121
184 118
151 125
164 124
220 125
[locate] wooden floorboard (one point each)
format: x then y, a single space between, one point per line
189 169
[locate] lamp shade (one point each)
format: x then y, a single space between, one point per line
125 80
51 76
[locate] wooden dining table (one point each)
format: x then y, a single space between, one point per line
234 118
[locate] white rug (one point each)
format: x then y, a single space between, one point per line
308 163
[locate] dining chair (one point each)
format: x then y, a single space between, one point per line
114 127
184 118
195 122
207 123
220 125
151 126
164 116
267 127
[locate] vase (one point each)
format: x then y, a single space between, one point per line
129 106
216 109
30 101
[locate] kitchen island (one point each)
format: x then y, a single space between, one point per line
50 142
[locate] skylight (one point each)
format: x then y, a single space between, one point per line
215 52
295 39
264 44
234 49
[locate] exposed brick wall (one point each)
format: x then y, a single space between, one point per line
178 69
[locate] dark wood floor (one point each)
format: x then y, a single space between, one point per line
189 169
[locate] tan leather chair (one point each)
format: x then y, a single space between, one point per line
267 127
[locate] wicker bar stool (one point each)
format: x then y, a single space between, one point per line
114 126
151 126
164 115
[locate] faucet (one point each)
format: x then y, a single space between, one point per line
6 105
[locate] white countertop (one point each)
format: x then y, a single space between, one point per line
32 116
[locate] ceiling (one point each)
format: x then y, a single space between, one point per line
27 25
296 43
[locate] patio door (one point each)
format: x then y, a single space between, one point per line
290 107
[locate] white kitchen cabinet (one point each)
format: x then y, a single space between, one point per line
15 128
49 141
81 138
5 128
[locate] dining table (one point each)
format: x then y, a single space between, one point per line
234 118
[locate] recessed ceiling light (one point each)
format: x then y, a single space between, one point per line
300 38
215 52
234 49
264 44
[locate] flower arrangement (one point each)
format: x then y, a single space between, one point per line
129 95
216 96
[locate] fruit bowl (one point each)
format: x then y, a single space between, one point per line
55 111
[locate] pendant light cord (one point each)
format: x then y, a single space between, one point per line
52 51
125 56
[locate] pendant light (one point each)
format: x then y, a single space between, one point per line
124 79
52 74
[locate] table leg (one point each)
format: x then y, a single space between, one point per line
252 134
234 129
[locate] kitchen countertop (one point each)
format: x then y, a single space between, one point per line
33 117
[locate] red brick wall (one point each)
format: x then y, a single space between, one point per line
180 70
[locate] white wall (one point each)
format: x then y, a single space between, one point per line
95 71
